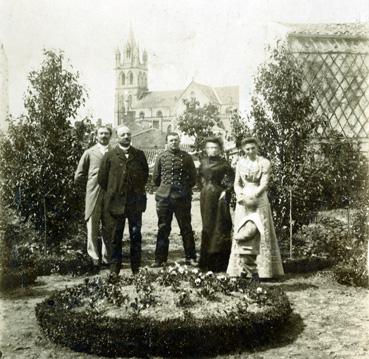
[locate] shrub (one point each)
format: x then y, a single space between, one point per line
330 241
76 317
13 272
326 238
25 251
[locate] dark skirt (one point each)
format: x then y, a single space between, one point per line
216 229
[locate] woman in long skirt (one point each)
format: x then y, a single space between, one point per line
255 250
216 177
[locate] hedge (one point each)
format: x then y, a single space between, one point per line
348 276
17 278
307 264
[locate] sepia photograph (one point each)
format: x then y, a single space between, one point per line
184 179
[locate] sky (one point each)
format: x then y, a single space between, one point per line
214 42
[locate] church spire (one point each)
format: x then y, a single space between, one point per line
131 36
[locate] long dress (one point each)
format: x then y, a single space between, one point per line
216 177
250 176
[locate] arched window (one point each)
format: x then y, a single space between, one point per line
142 115
159 114
169 128
123 78
130 78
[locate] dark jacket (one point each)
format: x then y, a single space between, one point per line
174 174
124 180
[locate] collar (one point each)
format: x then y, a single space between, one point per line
176 151
124 149
102 148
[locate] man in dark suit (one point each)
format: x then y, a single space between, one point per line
123 175
175 175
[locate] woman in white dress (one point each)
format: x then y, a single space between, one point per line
255 250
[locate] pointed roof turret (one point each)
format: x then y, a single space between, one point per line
131 37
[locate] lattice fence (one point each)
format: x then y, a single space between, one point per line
339 81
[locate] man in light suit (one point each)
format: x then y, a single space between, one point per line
98 248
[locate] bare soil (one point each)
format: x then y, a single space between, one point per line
329 321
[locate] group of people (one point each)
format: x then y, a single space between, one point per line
115 180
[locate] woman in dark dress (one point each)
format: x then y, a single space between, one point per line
216 179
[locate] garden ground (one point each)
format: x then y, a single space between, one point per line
329 321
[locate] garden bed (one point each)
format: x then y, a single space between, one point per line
172 312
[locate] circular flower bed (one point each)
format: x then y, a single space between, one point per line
173 312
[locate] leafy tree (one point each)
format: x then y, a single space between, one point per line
39 155
198 121
239 128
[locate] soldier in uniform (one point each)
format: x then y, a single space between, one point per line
175 175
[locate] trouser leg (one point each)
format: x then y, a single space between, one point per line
164 211
182 211
135 224
116 243
93 240
105 242
249 264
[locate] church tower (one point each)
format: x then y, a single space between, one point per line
4 88
130 78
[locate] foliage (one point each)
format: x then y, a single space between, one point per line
198 121
345 171
66 319
23 250
340 243
40 154
325 238
239 128
13 272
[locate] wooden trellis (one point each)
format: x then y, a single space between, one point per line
337 71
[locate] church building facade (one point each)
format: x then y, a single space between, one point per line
151 113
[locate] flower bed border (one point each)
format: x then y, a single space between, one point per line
86 332
306 264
